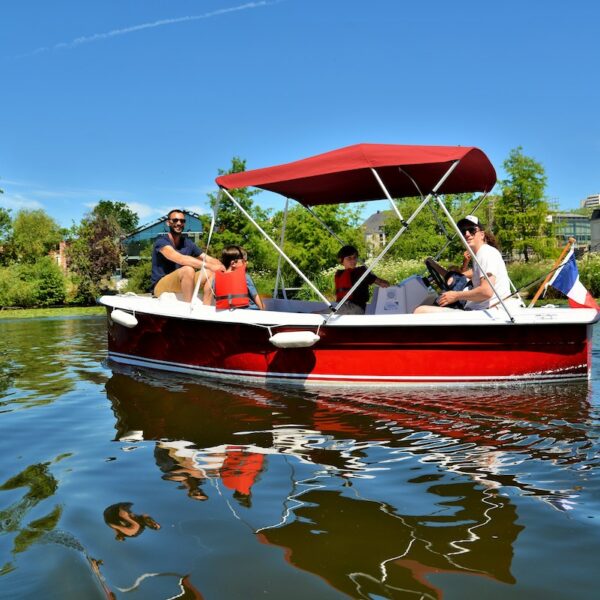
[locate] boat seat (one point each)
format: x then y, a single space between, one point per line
399 299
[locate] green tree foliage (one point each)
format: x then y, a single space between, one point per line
311 247
94 254
40 284
139 275
125 217
430 230
521 211
5 232
233 227
34 234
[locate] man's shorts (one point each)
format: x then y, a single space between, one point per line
171 283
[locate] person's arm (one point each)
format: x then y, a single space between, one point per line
213 264
253 292
191 261
258 300
381 282
464 269
482 292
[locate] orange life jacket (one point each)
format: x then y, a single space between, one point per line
231 289
343 283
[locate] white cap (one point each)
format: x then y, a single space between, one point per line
471 218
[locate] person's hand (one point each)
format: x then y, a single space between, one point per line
383 283
448 298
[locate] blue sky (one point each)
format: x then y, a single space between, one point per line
142 101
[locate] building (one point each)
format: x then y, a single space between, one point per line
592 201
145 235
568 225
374 230
595 231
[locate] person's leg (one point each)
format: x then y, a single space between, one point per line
169 283
208 289
424 308
186 282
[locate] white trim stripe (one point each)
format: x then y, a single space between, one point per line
309 378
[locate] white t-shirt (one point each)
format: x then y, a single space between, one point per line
491 262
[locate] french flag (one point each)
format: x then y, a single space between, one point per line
566 280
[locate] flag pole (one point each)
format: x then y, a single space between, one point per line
549 276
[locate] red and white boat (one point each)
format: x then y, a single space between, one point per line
309 343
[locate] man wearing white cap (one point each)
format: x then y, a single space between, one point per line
481 295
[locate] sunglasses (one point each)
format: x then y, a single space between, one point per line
177 220
472 230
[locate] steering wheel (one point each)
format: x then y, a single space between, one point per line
437 274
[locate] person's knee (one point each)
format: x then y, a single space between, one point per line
186 273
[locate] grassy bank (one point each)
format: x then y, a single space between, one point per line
36 313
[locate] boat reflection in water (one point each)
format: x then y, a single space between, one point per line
377 494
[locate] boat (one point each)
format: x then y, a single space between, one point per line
312 343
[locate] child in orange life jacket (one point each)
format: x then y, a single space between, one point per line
234 288
346 278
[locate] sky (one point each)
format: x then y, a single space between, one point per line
143 101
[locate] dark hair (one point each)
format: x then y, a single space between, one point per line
231 253
490 239
174 211
488 236
346 251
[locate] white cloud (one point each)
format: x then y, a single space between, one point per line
96 37
18 202
144 211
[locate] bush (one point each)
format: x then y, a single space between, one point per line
531 274
139 277
589 273
35 285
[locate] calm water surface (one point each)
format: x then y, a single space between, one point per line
122 483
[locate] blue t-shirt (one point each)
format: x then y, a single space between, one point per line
252 292
162 266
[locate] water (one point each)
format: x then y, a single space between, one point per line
130 484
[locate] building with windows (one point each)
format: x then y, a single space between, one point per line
145 235
592 201
374 230
568 225
595 231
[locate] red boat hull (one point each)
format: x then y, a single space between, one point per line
358 355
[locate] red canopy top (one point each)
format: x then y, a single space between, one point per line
344 175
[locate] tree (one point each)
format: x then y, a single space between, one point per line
34 234
5 232
94 254
233 228
430 230
125 217
521 211
309 245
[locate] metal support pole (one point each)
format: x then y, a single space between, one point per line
279 259
475 261
278 249
399 232
387 195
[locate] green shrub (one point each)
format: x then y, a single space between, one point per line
589 273
139 277
32 285
530 274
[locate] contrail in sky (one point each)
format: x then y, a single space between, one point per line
86 39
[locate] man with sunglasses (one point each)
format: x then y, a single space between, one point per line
481 295
175 260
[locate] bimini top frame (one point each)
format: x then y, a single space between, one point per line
366 172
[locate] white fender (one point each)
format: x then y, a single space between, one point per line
294 339
123 318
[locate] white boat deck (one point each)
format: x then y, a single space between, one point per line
312 314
